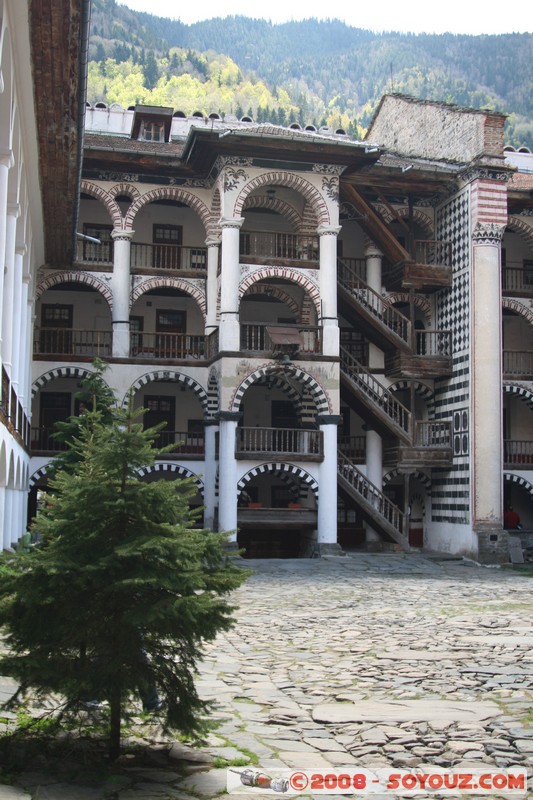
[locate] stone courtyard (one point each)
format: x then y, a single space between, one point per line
372 661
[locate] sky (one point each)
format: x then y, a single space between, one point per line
416 16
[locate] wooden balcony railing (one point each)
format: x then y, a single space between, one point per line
275 246
168 256
171 346
12 414
72 342
353 447
433 252
433 343
92 253
517 278
42 441
255 337
518 363
518 453
183 443
433 434
293 442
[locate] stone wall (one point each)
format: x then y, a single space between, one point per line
426 129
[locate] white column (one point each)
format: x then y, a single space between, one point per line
374 473
121 285
6 162
16 336
229 337
487 444
328 289
8 522
9 287
210 472
327 489
374 261
227 474
26 344
18 515
213 252
3 493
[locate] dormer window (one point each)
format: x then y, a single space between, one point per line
152 132
151 124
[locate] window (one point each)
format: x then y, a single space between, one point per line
528 272
56 329
152 132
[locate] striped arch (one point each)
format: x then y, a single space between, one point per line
79 373
421 219
79 277
292 181
403 297
168 193
520 226
125 189
169 376
280 469
107 200
170 283
180 472
310 386
39 475
522 392
287 274
421 477
509 477
518 308
274 204
278 293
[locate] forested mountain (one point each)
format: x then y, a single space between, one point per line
311 72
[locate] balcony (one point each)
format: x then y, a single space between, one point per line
430 269
145 256
43 442
353 447
518 454
260 338
517 279
518 364
433 358
184 445
269 247
432 447
168 346
294 443
70 342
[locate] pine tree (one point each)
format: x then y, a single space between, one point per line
123 589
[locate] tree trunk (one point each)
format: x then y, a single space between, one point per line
114 724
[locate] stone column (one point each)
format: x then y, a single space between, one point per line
18 344
227 474
374 473
327 489
374 260
9 287
229 340
121 286
8 517
27 345
328 289
487 434
210 471
213 253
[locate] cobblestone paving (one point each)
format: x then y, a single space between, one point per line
377 661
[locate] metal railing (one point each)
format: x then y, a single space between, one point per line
433 434
167 256
71 341
517 278
172 346
279 441
255 337
375 393
373 302
518 363
518 452
363 487
432 252
283 246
